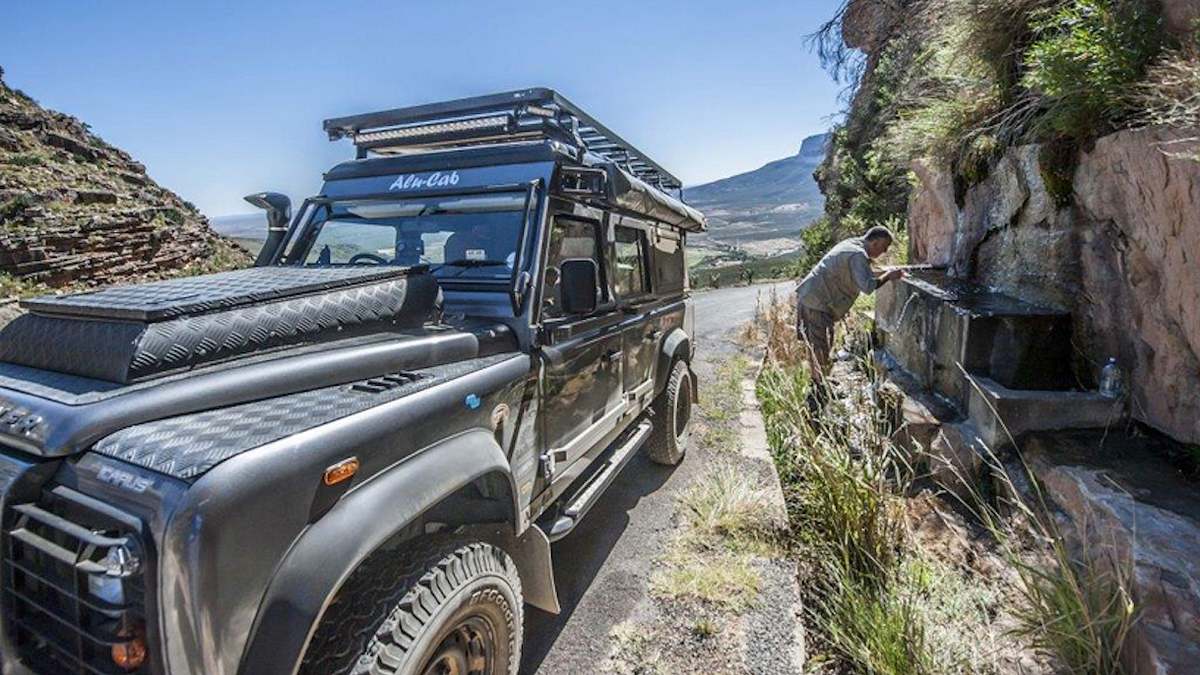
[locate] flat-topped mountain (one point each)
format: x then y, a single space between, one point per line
763 211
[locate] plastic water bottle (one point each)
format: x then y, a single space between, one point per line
1110 379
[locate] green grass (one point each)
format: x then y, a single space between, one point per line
11 286
720 406
1086 60
773 267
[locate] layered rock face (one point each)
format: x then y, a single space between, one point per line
75 210
1121 258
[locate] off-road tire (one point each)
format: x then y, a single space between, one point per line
395 611
672 413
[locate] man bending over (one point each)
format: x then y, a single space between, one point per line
830 289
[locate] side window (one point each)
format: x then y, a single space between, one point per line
569 238
630 265
668 265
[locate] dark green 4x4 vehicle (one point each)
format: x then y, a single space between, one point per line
353 456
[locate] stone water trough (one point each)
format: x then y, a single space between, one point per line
983 371
1004 364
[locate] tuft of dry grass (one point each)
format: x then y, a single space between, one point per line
1171 92
727 502
727 521
633 652
724 579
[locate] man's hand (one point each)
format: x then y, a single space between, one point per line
892 275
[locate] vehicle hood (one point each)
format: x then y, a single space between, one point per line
79 368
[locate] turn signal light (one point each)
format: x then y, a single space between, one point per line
343 470
130 655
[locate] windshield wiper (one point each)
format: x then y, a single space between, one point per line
467 264
476 262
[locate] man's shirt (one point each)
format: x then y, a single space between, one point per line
834 283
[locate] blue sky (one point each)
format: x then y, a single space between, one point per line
220 99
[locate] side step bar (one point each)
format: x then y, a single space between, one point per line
589 494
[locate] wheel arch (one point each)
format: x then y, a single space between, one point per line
463 480
676 345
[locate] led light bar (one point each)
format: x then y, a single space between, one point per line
427 130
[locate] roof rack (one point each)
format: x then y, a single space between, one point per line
495 118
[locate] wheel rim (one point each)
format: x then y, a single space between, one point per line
683 410
466 648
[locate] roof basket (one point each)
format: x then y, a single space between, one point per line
496 118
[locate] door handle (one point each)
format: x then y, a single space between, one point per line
614 355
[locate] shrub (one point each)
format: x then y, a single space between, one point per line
15 207
1086 60
817 239
23 159
1057 161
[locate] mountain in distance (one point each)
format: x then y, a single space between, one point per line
242 225
763 211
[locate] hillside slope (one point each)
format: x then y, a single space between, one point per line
76 211
764 210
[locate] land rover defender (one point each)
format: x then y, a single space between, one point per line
353 456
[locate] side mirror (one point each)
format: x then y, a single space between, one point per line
279 214
579 284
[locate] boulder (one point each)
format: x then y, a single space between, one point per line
1140 300
867 23
1034 256
71 145
959 460
1157 551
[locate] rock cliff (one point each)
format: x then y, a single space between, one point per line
1118 250
1093 214
76 211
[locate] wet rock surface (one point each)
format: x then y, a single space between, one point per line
1127 507
77 211
932 215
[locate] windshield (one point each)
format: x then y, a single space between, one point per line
472 237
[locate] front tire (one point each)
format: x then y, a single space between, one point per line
443 607
672 416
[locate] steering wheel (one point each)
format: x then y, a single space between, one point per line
359 257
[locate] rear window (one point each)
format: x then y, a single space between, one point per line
669 270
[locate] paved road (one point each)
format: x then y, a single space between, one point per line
603 567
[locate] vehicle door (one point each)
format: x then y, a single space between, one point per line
581 392
639 326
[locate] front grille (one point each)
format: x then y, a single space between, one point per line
64 556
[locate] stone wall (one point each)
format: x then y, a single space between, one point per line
1122 258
